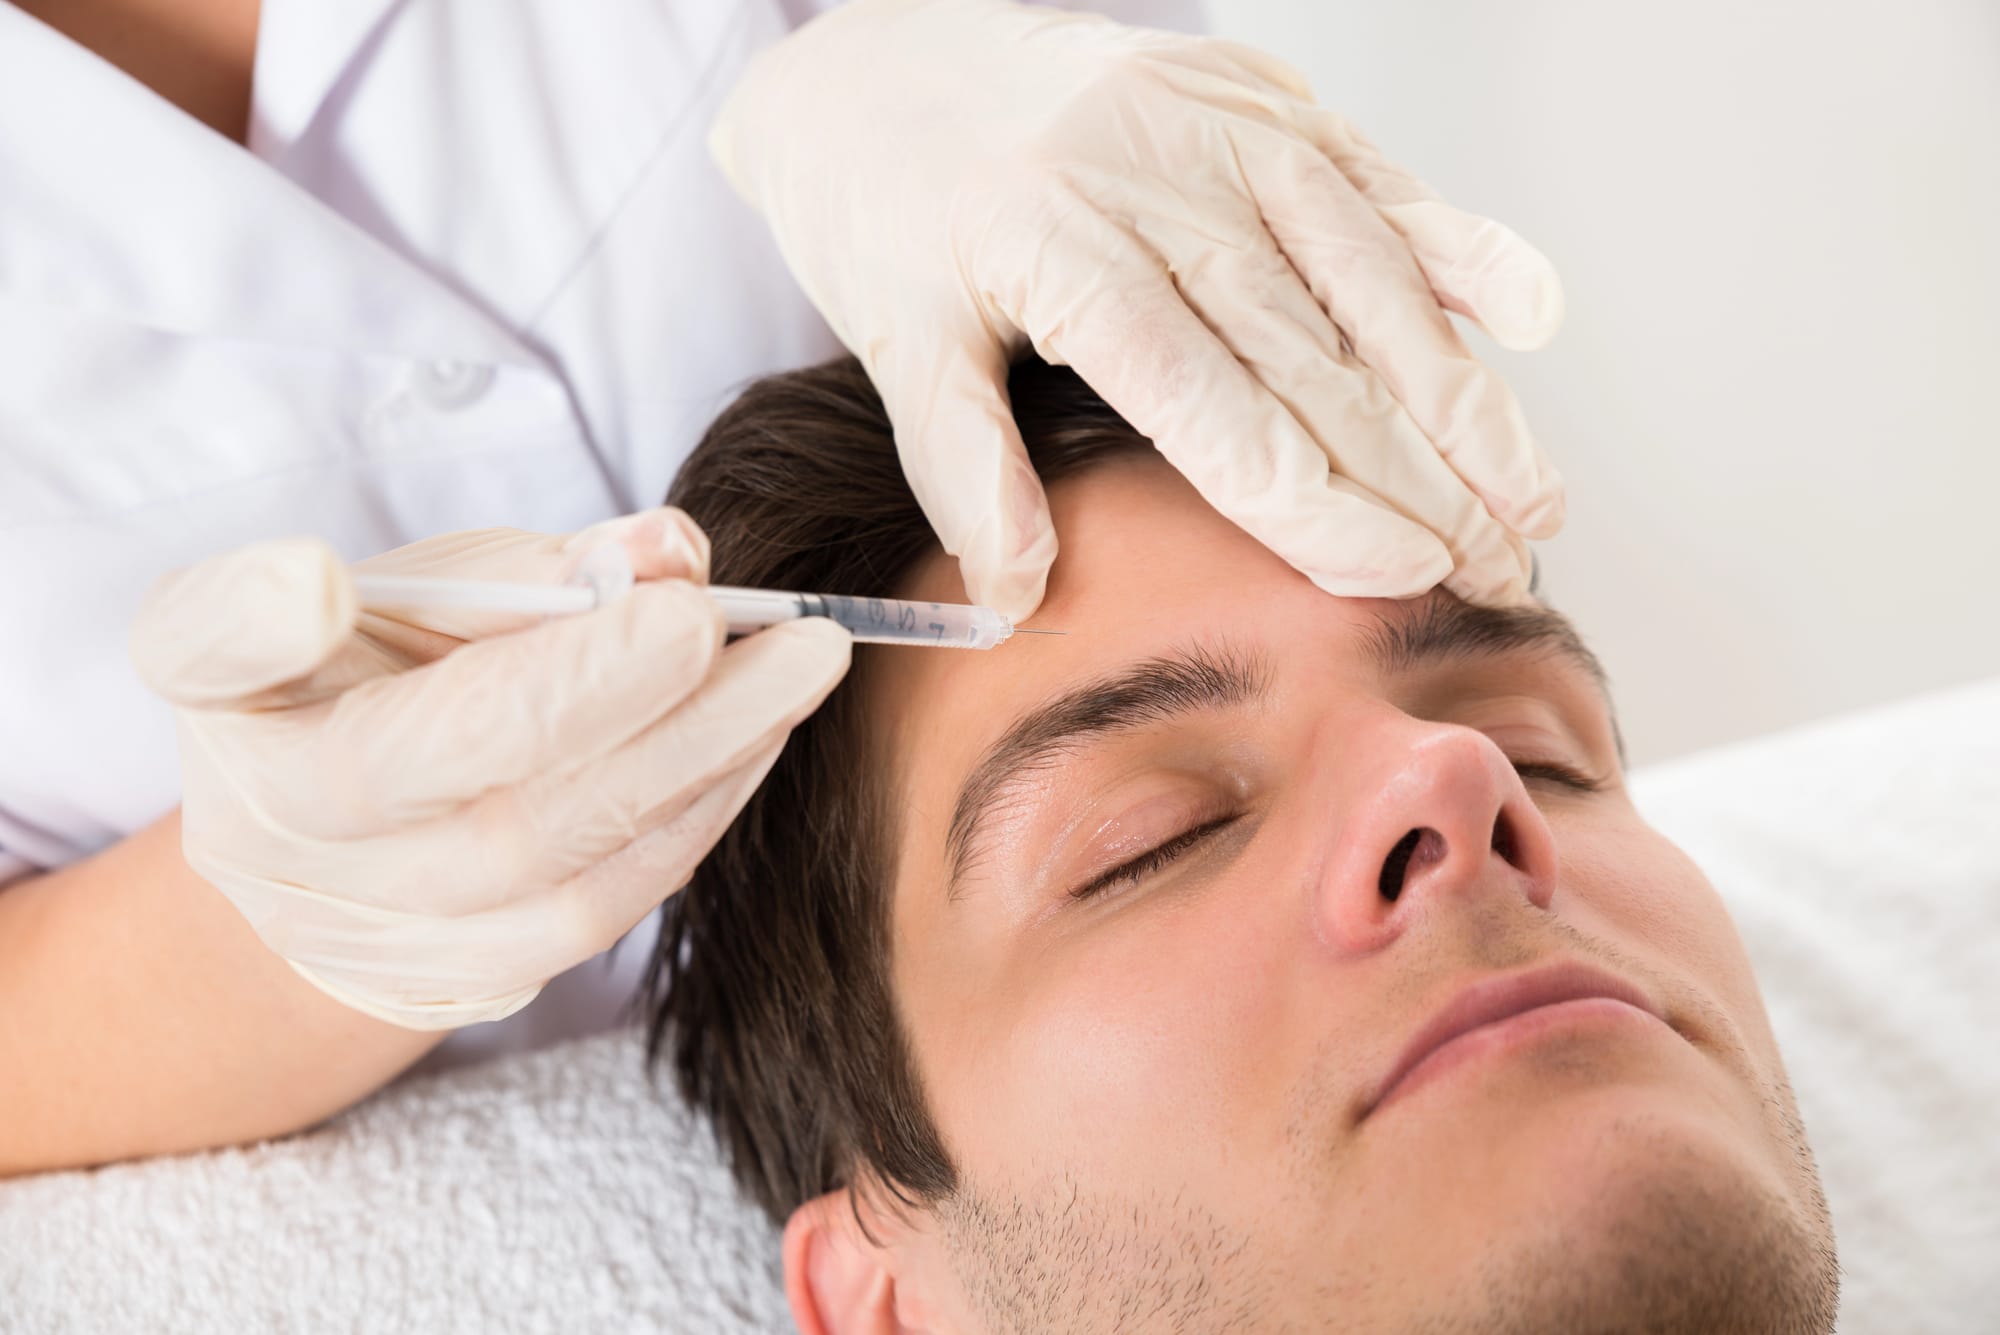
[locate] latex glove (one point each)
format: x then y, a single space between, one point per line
430 817
1241 276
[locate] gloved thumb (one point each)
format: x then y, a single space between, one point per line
969 470
243 622
1483 270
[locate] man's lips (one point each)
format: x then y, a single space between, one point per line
1491 1000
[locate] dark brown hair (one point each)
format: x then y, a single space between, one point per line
771 982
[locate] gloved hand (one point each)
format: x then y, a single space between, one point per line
431 815
1240 274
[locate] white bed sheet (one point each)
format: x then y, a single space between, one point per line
557 1190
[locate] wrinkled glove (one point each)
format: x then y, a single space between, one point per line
1240 274
431 814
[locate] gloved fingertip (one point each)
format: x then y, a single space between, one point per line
1499 588
813 650
1005 565
821 638
674 615
1520 303
244 622
684 546
1427 573
798 663
1014 591
660 543
1483 269
1414 570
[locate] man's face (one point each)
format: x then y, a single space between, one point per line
1158 959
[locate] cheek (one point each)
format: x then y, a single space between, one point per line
1635 889
1144 1043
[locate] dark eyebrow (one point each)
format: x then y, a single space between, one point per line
1182 682
1444 629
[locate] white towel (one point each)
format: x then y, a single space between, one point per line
545 1191
557 1191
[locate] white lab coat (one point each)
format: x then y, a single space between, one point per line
475 269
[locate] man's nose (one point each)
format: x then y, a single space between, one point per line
1441 818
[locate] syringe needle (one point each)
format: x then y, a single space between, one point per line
1029 630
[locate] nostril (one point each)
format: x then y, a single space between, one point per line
1504 841
1397 865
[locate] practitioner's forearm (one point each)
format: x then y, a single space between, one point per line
140 1015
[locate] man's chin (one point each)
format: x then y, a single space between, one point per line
1652 1224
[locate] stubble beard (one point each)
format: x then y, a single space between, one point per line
1683 1247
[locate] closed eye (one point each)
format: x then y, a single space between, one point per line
1136 869
1556 772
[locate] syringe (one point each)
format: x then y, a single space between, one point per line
872 620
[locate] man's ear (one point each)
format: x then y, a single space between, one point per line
838 1280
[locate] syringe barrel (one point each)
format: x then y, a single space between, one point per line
601 581
896 621
871 620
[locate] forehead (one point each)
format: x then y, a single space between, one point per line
1143 561
1146 566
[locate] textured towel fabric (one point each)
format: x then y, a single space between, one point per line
558 1191
544 1191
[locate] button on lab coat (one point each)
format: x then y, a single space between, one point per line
475 269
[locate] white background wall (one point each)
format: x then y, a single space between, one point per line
1777 395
